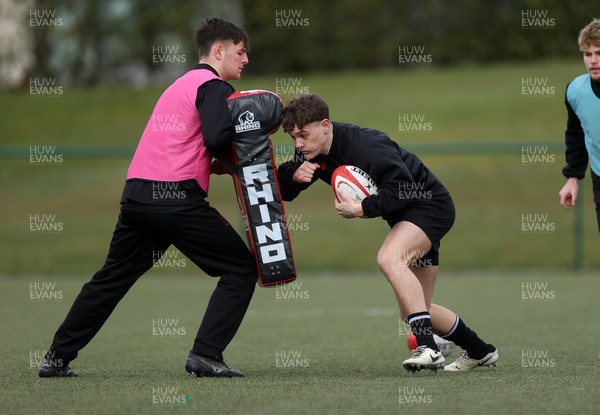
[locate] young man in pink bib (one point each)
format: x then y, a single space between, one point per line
164 203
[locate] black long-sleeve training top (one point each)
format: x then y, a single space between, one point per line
401 177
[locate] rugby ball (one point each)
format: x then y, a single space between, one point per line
445 346
353 181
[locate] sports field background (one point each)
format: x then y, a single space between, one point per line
516 289
481 106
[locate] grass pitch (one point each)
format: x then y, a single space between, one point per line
331 343
327 344
466 104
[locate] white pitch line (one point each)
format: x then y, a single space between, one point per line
317 312
311 312
368 312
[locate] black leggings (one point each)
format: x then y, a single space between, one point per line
140 238
596 186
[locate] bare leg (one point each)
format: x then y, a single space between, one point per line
401 247
442 319
405 244
412 286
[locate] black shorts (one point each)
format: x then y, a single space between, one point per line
435 217
596 187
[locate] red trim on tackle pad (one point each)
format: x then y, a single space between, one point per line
256 115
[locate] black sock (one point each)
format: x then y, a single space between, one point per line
468 340
420 326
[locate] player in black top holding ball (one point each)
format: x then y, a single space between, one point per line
414 203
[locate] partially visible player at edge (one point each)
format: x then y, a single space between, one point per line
418 221
582 135
177 159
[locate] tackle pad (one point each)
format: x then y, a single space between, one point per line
256 115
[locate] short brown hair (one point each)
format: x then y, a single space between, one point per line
589 35
303 109
218 29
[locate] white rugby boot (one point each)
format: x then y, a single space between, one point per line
464 363
424 358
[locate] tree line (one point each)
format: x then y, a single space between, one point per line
141 41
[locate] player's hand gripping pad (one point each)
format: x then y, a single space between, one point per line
256 115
